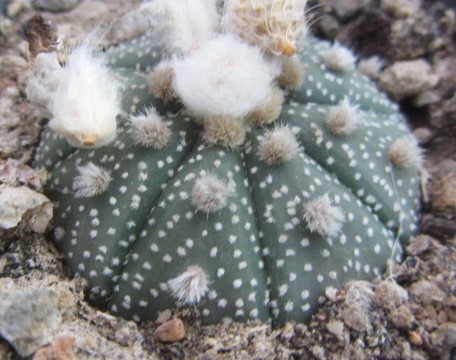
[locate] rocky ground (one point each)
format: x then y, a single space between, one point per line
413 317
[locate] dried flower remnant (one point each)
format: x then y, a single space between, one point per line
405 152
224 77
343 118
210 194
149 129
273 25
189 287
278 146
323 217
82 97
91 181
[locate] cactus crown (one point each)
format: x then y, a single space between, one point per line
245 207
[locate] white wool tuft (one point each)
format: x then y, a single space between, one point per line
278 145
92 180
273 25
322 217
225 77
85 102
149 130
43 81
210 194
343 118
371 66
190 286
405 152
338 58
182 25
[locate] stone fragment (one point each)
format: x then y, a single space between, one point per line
13 173
60 349
445 336
423 135
419 244
171 331
443 190
22 203
56 5
28 319
407 78
415 338
427 292
389 295
402 317
401 8
336 328
357 305
329 26
348 8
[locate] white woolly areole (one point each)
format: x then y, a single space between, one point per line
85 102
224 77
405 152
273 25
190 286
371 66
92 180
182 25
338 58
149 130
322 217
278 145
43 81
210 194
343 118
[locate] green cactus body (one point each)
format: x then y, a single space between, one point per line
259 257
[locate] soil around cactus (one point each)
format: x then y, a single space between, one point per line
421 325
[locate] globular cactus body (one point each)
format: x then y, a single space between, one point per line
257 231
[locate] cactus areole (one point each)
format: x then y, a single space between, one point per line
231 210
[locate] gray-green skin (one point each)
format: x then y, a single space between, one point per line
261 259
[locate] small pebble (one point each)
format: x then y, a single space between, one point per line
170 331
401 8
390 295
408 78
423 135
402 317
427 292
56 5
415 338
336 328
60 349
419 244
347 8
443 190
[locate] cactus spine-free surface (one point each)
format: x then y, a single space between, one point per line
258 228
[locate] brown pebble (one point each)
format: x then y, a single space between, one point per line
171 331
415 338
59 349
419 244
439 228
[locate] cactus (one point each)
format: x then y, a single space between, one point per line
258 227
